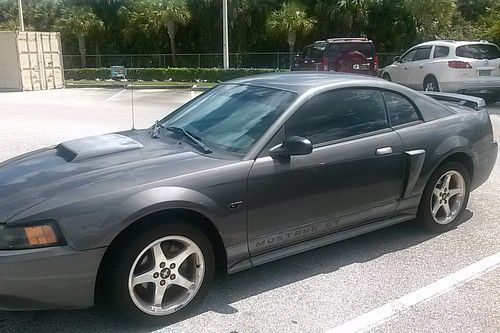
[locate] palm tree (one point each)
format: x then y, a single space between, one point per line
10 25
353 14
167 13
292 20
79 22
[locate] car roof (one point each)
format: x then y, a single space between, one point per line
455 43
349 40
301 82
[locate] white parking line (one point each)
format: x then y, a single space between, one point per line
109 99
384 313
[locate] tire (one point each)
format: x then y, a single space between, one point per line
431 84
436 196
386 76
131 260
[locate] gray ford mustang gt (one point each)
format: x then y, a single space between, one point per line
251 171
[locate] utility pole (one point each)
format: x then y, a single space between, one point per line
225 42
21 20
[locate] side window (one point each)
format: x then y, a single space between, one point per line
401 111
423 53
316 54
305 53
441 51
409 56
339 114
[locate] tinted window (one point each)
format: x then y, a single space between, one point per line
441 51
409 56
338 114
316 54
423 53
305 53
338 49
478 51
231 117
401 111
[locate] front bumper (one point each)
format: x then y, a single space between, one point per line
47 278
483 165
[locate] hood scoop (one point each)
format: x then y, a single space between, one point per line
96 146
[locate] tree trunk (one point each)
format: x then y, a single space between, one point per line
98 54
291 41
83 50
171 34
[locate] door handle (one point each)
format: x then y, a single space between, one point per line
421 67
406 68
384 151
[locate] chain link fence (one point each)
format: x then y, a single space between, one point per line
200 60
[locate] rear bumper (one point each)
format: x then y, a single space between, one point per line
489 86
483 166
56 277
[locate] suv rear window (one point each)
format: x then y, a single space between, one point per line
478 51
338 49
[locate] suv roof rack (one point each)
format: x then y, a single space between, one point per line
348 39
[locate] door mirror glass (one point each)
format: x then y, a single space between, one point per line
397 59
294 145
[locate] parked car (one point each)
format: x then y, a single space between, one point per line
449 66
253 170
349 55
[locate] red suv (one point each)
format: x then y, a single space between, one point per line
350 55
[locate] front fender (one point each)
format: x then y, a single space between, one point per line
158 199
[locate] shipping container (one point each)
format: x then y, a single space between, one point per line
30 61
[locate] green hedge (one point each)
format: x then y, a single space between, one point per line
163 74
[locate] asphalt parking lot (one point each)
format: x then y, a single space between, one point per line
315 291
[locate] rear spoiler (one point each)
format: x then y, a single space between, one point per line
470 101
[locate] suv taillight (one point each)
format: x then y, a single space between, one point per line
375 63
324 63
457 64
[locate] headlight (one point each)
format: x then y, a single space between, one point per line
33 235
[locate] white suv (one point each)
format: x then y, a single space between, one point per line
449 66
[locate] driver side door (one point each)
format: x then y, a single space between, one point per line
354 174
402 73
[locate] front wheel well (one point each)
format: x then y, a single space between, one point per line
192 217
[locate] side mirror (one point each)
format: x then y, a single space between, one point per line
397 59
294 145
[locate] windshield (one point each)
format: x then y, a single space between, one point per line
478 51
231 117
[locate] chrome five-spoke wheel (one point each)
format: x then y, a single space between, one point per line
448 197
445 197
166 275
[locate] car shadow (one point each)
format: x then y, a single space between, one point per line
229 289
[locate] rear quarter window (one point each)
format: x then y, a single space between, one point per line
401 111
430 109
478 51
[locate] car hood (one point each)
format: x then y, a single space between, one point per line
32 178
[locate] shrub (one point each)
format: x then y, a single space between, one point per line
163 74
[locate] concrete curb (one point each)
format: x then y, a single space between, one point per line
116 86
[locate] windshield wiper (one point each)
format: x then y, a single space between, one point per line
191 137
